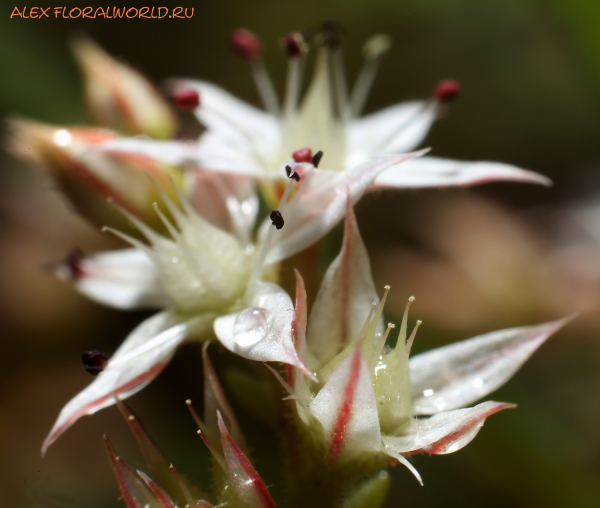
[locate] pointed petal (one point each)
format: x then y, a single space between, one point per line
459 374
135 493
262 332
142 356
229 117
347 410
123 279
246 483
215 400
345 296
164 498
444 432
228 202
404 461
434 172
316 209
398 128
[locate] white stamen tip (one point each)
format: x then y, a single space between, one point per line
387 288
411 299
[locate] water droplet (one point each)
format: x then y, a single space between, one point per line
250 326
428 393
175 260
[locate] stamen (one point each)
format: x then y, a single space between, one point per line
291 173
373 50
316 160
213 451
248 46
277 219
411 339
341 89
245 44
381 305
151 235
186 100
71 264
381 343
94 362
172 231
293 45
447 90
303 155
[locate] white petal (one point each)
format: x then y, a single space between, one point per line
344 298
347 410
142 356
228 202
316 209
459 374
262 332
124 279
398 128
444 432
434 172
229 117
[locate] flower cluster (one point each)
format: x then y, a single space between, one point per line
201 256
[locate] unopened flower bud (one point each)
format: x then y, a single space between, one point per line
447 90
119 97
293 45
245 44
186 100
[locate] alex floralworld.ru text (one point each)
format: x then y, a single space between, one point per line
102 12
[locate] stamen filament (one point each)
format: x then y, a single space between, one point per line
403 326
265 87
339 79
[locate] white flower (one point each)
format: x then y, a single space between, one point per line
244 140
372 395
206 275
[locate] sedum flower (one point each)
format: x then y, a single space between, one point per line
207 278
371 399
242 139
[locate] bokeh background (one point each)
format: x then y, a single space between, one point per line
495 256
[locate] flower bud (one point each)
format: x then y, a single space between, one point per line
447 90
245 44
87 176
119 97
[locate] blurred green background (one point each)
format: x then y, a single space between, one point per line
497 256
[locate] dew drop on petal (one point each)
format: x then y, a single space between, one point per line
62 137
428 393
250 326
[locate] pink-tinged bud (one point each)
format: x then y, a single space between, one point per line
186 100
293 45
245 44
303 155
447 90
88 176
119 97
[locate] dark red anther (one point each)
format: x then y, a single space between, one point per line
277 219
72 262
245 44
186 100
293 45
447 90
303 155
316 160
292 173
94 362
